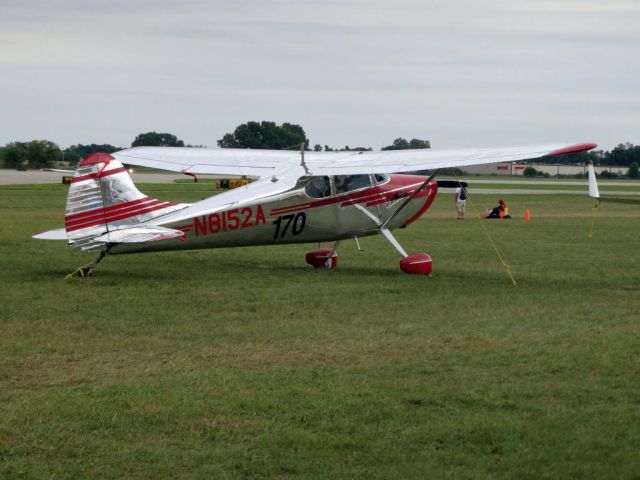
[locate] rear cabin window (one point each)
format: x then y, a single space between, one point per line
318 187
348 183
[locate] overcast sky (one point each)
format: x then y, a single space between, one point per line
351 72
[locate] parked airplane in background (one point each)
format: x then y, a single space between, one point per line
298 197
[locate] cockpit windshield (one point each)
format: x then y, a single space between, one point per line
318 187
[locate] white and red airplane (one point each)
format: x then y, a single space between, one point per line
298 197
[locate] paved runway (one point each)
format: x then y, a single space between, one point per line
13 177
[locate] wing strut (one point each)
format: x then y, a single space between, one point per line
387 234
302 164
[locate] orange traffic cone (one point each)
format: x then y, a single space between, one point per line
527 215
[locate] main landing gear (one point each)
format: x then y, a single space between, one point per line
323 257
418 263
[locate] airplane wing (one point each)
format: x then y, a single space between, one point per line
205 161
411 160
262 163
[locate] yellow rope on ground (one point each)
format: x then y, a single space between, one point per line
79 271
505 265
593 220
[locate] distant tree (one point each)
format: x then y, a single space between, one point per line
530 172
398 144
623 155
265 135
402 144
15 154
70 156
317 147
416 143
42 153
608 174
75 153
634 170
347 148
155 139
2 165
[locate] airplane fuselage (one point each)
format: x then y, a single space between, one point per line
322 210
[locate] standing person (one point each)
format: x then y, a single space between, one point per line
461 200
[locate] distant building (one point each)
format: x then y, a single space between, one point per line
518 169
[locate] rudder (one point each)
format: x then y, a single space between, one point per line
103 198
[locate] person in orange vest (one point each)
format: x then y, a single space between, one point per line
501 211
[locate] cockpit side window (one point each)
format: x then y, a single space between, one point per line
348 183
318 187
381 178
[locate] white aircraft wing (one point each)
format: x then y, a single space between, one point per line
262 163
411 160
203 161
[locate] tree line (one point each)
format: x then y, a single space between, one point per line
44 153
267 135
623 155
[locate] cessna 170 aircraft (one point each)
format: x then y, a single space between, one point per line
298 197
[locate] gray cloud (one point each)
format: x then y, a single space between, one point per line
353 72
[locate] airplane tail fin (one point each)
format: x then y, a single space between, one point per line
102 199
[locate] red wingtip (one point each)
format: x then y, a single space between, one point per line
580 147
99 157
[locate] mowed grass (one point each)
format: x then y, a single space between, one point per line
247 363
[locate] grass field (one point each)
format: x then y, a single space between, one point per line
247 364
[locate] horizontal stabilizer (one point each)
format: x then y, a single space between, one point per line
139 235
57 234
58 170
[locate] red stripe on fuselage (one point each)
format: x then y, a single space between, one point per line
100 214
110 208
115 216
